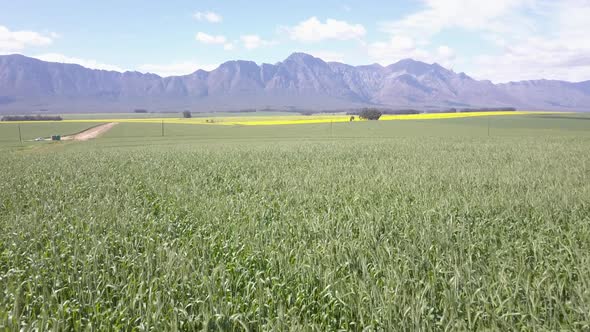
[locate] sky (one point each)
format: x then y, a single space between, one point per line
499 40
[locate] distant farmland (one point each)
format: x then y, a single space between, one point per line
479 223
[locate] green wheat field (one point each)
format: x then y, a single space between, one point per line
458 224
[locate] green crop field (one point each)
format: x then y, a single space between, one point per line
9 132
458 224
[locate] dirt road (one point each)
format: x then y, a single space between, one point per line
90 133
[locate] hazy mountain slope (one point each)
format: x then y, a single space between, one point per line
300 81
548 94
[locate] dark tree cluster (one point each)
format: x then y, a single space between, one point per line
187 114
389 111
396 112
31 118
370 114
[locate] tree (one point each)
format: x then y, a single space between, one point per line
187 114
370 114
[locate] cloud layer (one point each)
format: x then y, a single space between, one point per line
313 30
501 40
210 39
208 16
88 63
16 41
251 42
175 69
523 39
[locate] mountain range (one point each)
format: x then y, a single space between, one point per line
299 82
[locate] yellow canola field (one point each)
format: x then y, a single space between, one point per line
436 116
293 119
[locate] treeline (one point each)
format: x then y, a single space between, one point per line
387 111
450 110
37 117
493 109
350 111
248 110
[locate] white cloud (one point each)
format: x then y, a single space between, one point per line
495 21
228 46
15 41
327 56
446 53
563 53
411 35
501 16
207 16
536 58
210 39
397 48
403 47
175 69
313 30
254 41
88 63
522 39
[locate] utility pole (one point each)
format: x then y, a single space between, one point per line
331 128
20 137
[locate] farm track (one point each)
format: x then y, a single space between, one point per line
90 133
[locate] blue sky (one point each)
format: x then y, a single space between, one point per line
501 40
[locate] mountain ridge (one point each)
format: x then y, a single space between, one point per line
301 81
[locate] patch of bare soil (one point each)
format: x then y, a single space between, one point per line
90 133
